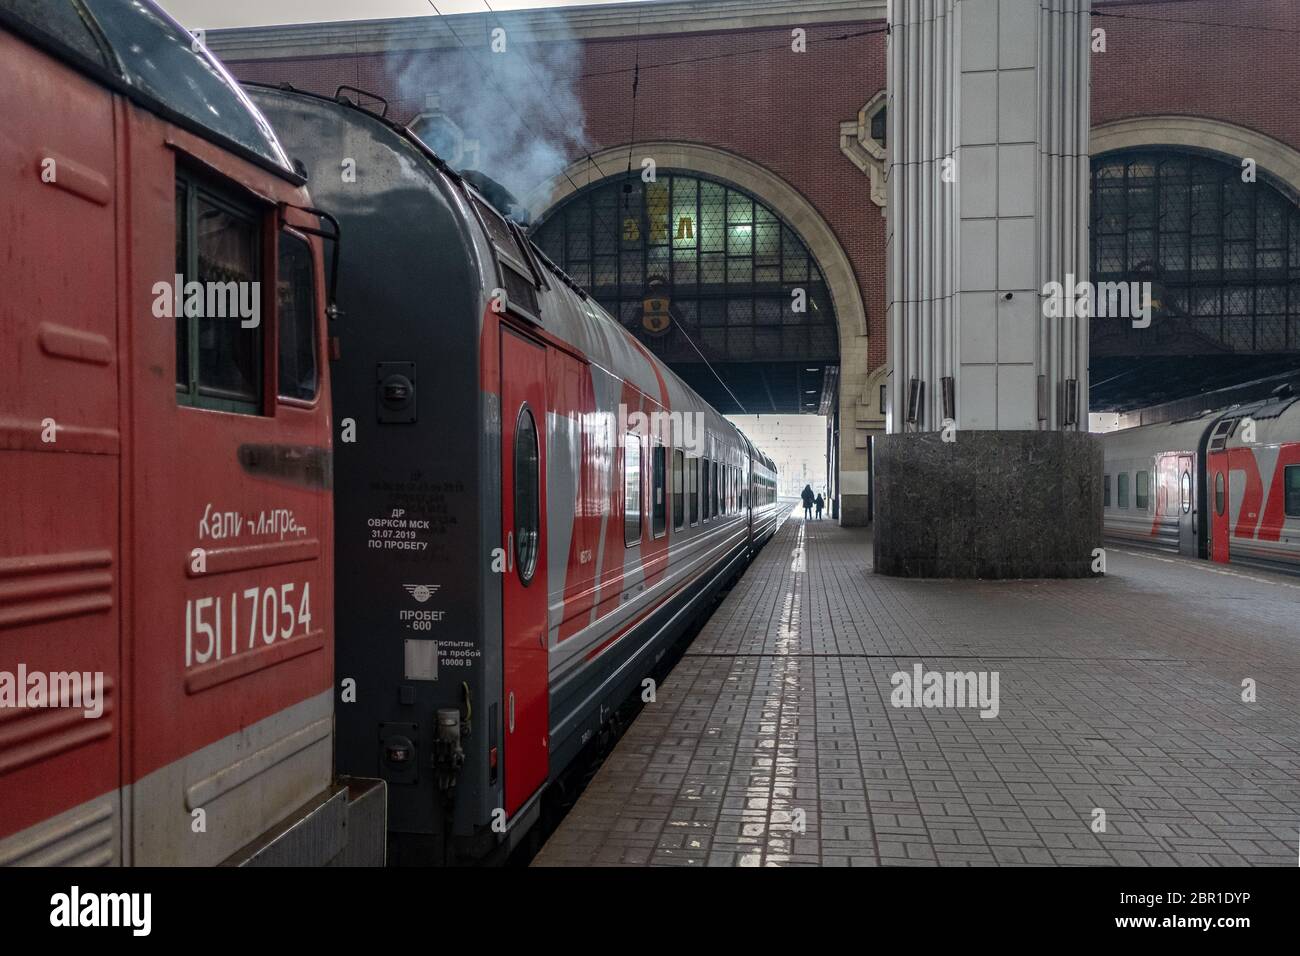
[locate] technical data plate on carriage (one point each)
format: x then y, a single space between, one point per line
416 523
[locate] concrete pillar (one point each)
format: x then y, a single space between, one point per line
987 204
853 480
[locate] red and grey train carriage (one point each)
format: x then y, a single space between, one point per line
530 507
1223 485
165 566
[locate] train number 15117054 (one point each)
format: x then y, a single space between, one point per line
226 625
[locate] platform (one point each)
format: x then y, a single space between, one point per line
1121 694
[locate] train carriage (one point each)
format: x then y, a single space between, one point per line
1223 485
166 578
530 507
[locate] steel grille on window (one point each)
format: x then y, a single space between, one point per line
520 290
1223 254
727 264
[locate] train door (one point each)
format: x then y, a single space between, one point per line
1217 496
1218 500
747 475
523 592
1187 515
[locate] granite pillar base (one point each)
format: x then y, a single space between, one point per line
991 504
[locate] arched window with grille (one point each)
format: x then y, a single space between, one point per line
687 261
1222 254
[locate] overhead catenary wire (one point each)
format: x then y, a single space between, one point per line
576 188
541 83
497 86
682 329
663 64
636 78
1216 24
494 83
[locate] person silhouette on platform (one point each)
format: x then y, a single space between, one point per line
807 496
821 503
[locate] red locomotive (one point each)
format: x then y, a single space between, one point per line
166 585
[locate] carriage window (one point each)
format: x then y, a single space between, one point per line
1105 491
218 244
1291 482
693 483
1219 496
1122 490
1185 492
527 495
296 314
716 492
679 502
1143 493
704 488
631 489
658 503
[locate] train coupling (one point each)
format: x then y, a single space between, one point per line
448 749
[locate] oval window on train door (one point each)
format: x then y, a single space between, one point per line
1185 492
527 495
1219 496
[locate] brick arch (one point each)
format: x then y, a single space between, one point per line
1195 132
773 191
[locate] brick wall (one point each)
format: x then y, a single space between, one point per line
782 110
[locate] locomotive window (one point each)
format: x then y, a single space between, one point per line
182 267
218 242
296 295
1291 499
527 495
693 483
1142 495
1105 491
679 502
1185 492
1122 490
631 489
60 22
658 504
1219 496
161 61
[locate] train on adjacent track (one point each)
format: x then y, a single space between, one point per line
317 523
1223 485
